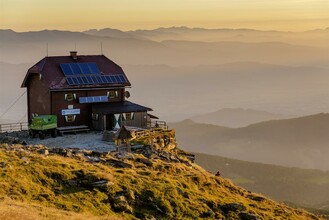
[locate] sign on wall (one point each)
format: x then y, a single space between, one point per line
71 111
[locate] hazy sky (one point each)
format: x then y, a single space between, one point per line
295 15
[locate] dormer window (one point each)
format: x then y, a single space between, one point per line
70 97
113 94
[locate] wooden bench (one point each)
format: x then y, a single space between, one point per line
73 129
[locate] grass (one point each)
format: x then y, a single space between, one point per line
39 187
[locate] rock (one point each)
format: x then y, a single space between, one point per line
174 159
256 198
208 214
3 164
182 193
130 195
118 163
100 183
233 207
68 153
43 152
145 161
26 160
121 205
248 216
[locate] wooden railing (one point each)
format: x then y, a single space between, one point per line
9 127
158 124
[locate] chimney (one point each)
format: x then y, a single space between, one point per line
74 55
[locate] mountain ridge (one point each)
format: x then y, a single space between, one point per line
298 142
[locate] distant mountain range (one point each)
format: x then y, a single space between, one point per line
309 188
185 73
128 48
236 117
317 37
298 142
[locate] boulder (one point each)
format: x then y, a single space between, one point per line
120 204
248 216
145 161
118 163
233 207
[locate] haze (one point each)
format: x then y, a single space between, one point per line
288 15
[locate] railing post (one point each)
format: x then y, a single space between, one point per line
21 126
0 129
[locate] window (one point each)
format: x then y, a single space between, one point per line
128 116
113 94
70 118
95 117
70 97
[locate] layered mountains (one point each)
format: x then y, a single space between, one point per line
297 142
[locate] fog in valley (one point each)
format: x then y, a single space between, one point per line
182 72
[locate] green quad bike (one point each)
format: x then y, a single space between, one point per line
43 125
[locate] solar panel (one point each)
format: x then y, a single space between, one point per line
95 79
66 69
117 78
93 99
70 81
75 68
79 68
94 68
84 68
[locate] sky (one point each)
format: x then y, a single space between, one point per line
78 15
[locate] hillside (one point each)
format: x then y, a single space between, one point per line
236 117
309 188
106 186
298 142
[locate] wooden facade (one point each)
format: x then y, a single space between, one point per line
49 93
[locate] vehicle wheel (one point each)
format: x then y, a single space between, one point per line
41 135
53 133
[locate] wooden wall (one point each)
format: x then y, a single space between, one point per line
139 120
38 97
85 116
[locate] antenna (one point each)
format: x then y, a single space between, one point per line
47 50
102 48
75 46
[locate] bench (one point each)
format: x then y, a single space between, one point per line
73 129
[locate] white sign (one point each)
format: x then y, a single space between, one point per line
70 111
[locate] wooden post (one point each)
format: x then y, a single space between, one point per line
104 120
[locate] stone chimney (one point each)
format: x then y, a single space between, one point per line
74 55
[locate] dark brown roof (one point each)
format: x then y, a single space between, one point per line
51 72
123 133
118 107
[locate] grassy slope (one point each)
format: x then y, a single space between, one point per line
163 189
302 186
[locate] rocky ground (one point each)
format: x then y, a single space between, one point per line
90 141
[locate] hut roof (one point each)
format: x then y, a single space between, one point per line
123 133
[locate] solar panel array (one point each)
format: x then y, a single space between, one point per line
88 74
70 69
93 99
99 79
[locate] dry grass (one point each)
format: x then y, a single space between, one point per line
14 210
43 189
